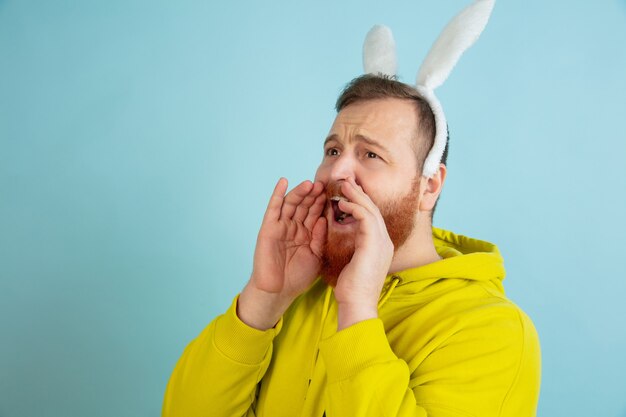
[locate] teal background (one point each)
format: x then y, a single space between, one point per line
140 140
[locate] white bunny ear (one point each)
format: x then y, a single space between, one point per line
379 52
457 36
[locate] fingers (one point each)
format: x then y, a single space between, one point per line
318 236
355 194
272 213
315 211
355 210
303 208
361 207
371 224
304 203
298 201
293 199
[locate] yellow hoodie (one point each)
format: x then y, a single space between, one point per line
447 343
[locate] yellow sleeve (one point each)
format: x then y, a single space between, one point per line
482 371
218 372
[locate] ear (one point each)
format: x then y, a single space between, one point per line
430 188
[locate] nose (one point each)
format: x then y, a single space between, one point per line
343 167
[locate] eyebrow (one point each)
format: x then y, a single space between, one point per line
359 138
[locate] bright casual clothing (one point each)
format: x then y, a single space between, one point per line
447 343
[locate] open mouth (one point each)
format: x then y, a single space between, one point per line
340 216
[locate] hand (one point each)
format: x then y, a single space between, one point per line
287 255
361 281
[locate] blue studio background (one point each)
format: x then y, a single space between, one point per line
140 140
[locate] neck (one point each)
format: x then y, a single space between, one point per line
418 250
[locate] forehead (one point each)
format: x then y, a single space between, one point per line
390 121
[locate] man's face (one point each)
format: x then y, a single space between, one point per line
370 142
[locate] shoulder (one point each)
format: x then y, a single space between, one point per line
463 322
469 339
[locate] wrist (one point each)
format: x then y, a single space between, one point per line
259 309
349 314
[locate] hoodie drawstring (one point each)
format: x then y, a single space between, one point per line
394 283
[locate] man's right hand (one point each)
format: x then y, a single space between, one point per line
287 255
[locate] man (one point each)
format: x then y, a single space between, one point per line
405 320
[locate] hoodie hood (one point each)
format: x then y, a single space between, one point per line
463 258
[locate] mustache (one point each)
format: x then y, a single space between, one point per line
333 189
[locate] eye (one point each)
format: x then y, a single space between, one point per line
332 152
371 155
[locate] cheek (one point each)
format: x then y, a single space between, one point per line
371 185
368 190
320 174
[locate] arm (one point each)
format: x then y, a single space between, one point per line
489 368
218 373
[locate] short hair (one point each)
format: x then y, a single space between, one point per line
371 87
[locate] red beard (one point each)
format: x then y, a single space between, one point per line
399 217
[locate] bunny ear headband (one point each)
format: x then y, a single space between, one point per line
379 57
